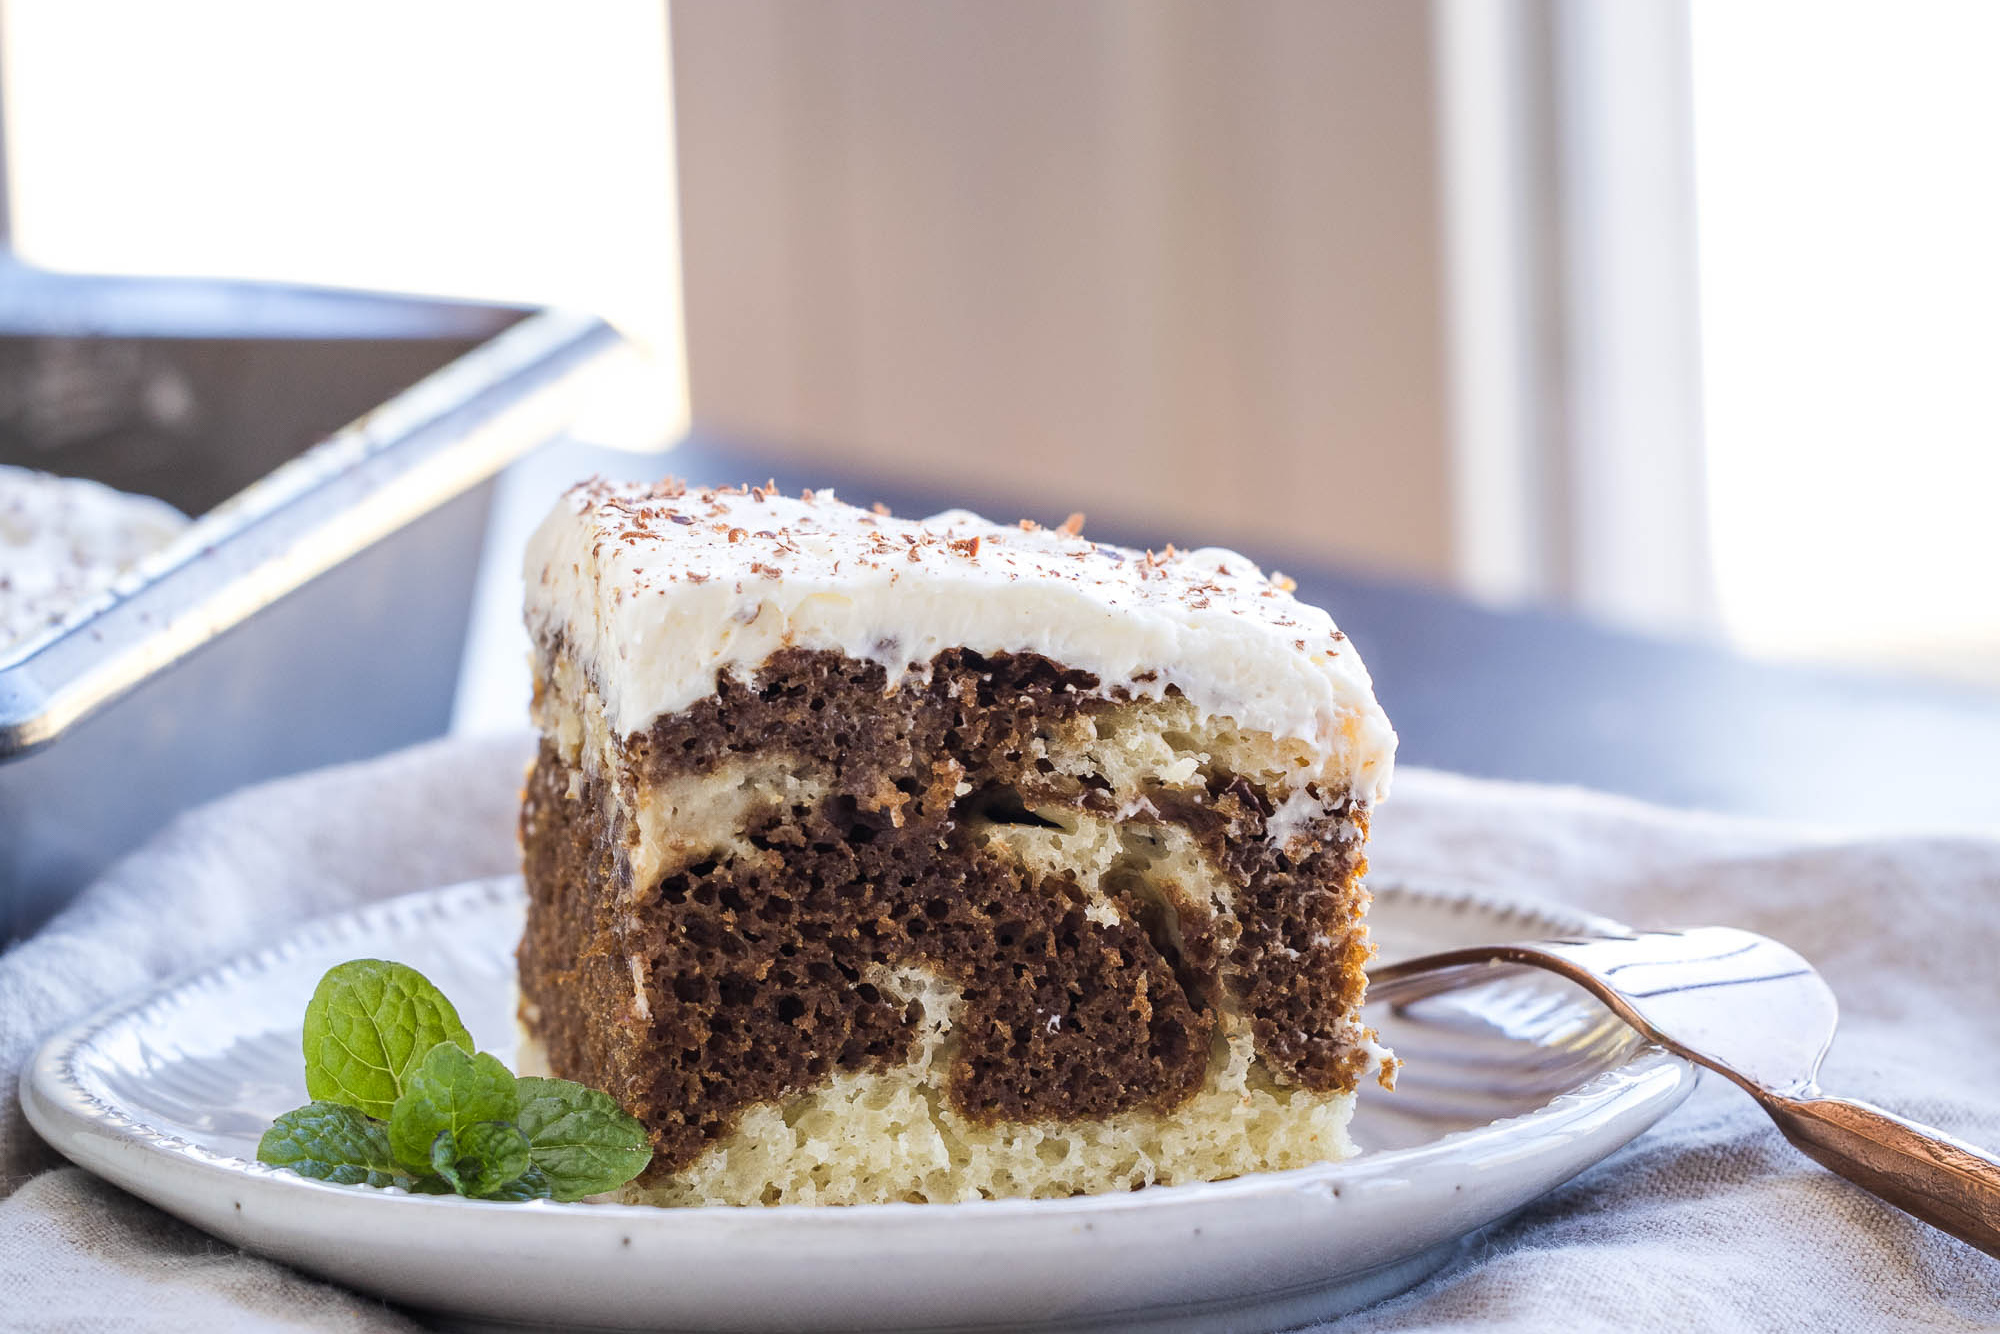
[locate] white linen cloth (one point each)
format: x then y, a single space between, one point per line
1710 1221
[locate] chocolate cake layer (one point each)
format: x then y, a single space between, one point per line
744 977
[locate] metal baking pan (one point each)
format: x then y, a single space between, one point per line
316 614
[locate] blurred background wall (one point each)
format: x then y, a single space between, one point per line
1176 263
1674 312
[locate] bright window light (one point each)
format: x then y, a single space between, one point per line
504 149
1850 282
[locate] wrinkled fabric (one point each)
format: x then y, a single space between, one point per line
1709 1221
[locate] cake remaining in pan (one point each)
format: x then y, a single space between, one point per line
63 541
880 860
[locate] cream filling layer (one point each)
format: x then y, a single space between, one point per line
697 818
1136 749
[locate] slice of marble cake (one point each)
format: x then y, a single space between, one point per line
877 860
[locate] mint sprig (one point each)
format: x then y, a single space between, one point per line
530 1185
450 1090
370 1021
580 1138
481 1158
329 1142
401 1098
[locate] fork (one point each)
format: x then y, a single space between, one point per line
1755 1012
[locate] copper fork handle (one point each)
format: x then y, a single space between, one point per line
1924 1172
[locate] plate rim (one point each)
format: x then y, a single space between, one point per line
57 1103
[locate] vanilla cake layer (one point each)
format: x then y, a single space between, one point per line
852 925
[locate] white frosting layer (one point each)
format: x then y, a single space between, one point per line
63 540
658 589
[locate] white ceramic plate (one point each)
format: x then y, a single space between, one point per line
1509 1090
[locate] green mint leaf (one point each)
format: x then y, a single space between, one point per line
530 1185
368 1023
449 1090
581 1139
329 1142
481 1158
401 1099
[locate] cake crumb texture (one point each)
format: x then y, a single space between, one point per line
992 933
